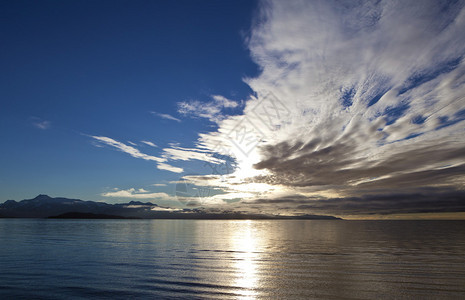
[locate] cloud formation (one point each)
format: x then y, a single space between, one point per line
353 99
137 194
358 109
172 153
134 152
212 110
426 201
148 143
186 154
165 116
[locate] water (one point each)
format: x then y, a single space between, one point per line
213 259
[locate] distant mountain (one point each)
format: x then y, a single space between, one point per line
78 215
44 206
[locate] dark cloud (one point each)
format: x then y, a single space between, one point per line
427 201
303 165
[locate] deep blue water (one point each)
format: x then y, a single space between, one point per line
286 259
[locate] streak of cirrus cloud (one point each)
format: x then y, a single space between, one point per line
213 110
356 103
134 152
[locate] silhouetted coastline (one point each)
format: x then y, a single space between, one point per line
44 206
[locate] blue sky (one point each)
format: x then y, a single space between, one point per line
100 68
289 107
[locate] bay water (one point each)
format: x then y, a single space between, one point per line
231 259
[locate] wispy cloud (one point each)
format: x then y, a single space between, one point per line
134 152
127 149
197 109
211 110
170 168
225 102
165 116
149 144
185 154
41 124
137 194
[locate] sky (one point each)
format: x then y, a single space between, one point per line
347 108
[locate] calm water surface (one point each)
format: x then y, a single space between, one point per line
289 259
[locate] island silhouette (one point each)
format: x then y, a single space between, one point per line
44 206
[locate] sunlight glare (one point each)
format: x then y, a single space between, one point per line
245 261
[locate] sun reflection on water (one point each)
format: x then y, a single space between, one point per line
245 245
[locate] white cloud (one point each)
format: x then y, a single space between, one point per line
186 154
225 102
127 149
149 144
199 109
167 209
211 110
165 116
41 124
137 154
158 184
137 194
170 168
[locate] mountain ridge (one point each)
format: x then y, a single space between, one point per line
44 206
